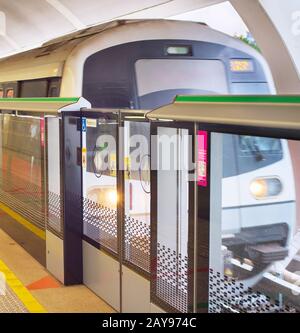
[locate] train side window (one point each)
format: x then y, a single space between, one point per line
54 87
53 92
34 88
10 93
10 89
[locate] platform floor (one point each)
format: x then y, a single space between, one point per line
30 288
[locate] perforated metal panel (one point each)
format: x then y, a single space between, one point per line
137 243
25 198
100 224
229 295
54 218
172 278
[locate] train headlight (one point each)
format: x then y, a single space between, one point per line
112 197
262 188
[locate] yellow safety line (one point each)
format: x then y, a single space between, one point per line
37 231
31 304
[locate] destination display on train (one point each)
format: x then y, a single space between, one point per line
241 65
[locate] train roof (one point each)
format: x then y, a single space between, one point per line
48 60
282 112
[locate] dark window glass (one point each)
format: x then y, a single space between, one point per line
252 145
34 88
53 92
244 154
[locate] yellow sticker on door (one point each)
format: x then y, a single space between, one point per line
84 158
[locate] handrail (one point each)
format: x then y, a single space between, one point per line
255 111
50 105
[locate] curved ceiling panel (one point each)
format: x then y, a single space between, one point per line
28 24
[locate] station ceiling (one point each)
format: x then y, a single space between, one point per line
27 24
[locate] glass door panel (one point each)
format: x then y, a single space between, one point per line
173 215
100 183
137 194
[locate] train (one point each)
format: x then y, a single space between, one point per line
144 64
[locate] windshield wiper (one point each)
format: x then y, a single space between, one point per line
254 148
259 156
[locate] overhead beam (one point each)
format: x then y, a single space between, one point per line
273 47
11 42
171 8
73 19
3 32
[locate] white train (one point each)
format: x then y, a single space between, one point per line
137 64
143 65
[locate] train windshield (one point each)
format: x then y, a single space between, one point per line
244 153
253 145
160 80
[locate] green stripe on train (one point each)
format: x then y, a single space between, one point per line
288 99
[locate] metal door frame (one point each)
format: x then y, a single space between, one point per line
141 274
108 254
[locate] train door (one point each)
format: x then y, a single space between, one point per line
116 210
101 247
172 244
